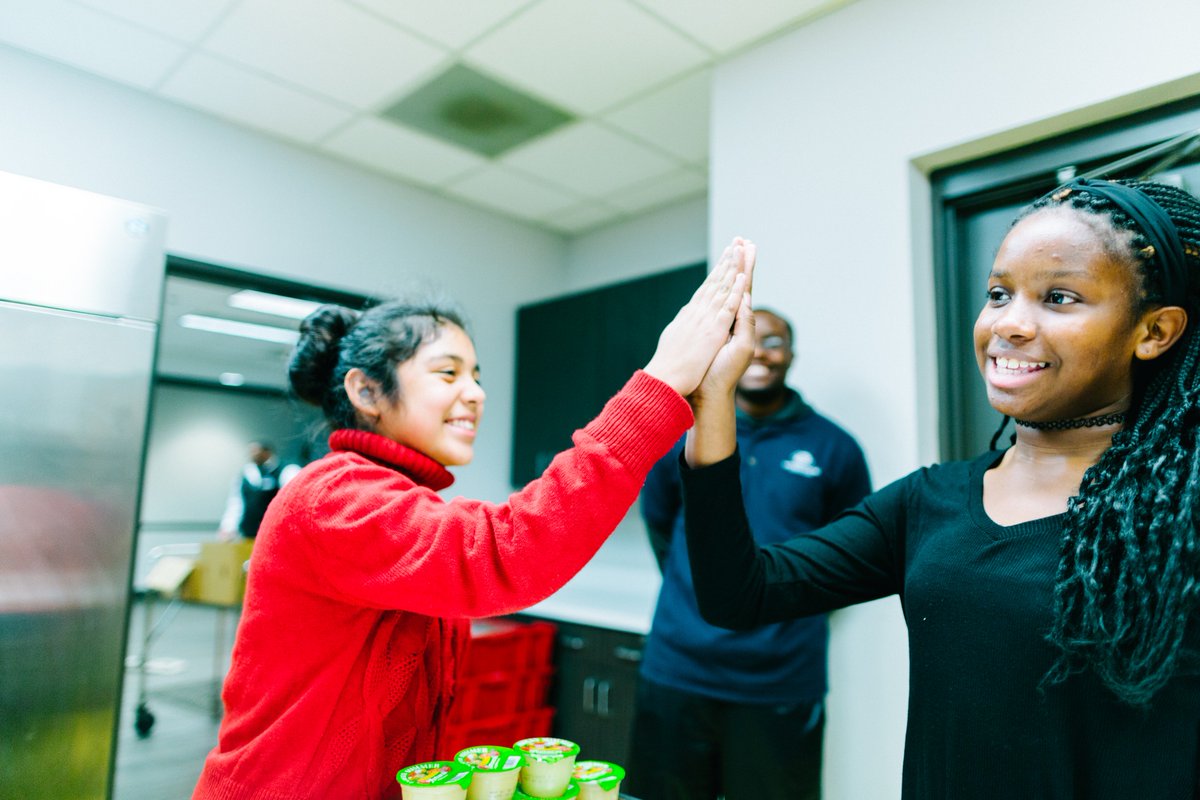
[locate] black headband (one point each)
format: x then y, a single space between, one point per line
1153 223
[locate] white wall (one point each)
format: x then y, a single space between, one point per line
240 199
673 236
198 445
821 140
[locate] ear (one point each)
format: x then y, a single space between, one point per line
363 393
1160 330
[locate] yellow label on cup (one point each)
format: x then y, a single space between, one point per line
487 758
434 773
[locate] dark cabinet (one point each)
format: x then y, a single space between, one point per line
596 673
575 352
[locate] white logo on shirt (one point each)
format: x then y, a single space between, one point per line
802 462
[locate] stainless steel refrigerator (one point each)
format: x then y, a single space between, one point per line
80 292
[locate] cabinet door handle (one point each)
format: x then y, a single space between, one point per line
589 695
622 653
602 690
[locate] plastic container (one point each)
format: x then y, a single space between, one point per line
499 645
494 771
434 780
549 763
570 793
598 780
494 694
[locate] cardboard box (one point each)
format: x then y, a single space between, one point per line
169 573
219 575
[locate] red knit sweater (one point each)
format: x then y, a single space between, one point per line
361 583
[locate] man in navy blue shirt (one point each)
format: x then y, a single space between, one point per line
740 714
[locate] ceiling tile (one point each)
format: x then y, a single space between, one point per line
401 152
580 218
725 26
452 24
88 40
585 55
250 99
511 192
328 46
675 117
186 20
592 159
658 191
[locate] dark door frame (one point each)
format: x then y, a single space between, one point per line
1012 177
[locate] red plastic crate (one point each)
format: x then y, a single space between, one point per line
500 693
502 645
502 730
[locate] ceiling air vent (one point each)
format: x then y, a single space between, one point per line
471 110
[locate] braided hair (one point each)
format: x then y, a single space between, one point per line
333 340
1128 578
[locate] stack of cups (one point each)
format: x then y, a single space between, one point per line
598 780
434 780
496 770
541 768
549 764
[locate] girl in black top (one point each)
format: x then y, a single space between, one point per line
1050 590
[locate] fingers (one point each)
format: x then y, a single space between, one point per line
702 329
749 258
719 279
737 258
743 324
745 311
732 302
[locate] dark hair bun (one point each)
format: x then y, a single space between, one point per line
316 354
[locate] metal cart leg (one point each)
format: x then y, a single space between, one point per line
143 720
165 584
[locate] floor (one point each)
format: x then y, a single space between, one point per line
189 646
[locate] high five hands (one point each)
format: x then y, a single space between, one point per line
734 357
705 349
713 437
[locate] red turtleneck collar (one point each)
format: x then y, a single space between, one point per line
416 465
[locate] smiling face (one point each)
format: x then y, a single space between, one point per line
1058 334
767 373
440 402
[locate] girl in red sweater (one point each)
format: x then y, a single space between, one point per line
363 577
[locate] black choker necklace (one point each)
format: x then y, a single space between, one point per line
1068 424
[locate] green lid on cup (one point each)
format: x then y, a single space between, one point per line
487 758
570 793
546 749
600 773
435 773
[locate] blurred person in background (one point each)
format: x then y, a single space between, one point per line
741 713
253 489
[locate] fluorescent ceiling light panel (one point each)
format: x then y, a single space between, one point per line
278 305
249 330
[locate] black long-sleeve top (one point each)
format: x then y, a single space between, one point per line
977 599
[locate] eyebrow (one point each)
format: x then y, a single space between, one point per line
1051 274
459 360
